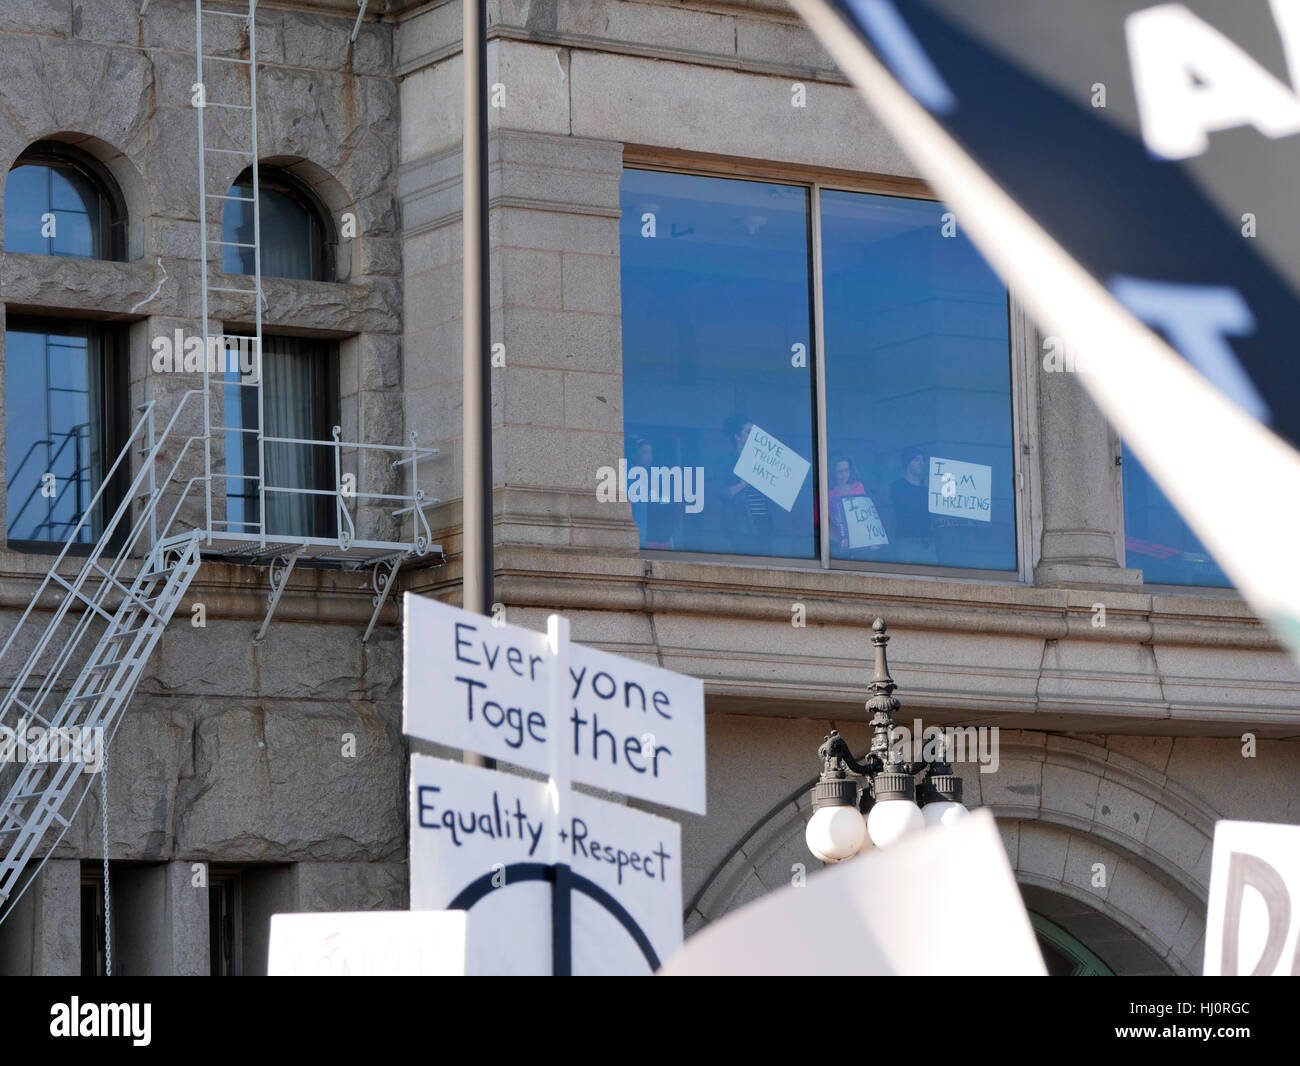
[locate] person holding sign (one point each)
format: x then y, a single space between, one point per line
746 515
845 485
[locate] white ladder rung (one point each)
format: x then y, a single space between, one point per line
227 196
124 633
229 107
110 665
232 244
229 151
224 59
228 14
247 292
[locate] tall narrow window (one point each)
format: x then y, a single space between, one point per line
918 388
225 931
93 958
717 358
1157 540
293 229
300 403
59 201
61 388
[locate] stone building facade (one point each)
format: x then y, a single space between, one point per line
1120 743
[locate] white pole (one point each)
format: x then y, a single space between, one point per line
557 636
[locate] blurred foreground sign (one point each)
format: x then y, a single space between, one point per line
1128 168
1253 924
902 911
367 944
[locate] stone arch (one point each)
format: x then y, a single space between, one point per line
1062 805
124 178
331 201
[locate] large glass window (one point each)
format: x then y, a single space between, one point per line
918 388
300 403
59 388
719 370
1157 540
717 357
59 202
293 232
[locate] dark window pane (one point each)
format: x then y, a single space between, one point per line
716 297
290 235
54 407
1156 539
296 404
918 390
53 210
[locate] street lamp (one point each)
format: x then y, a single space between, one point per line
889 799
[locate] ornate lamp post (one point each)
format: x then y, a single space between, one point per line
890 795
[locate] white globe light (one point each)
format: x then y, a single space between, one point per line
892 819
835 833
942 812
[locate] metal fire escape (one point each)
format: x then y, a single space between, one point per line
78 651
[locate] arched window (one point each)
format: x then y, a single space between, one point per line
295 235
60 201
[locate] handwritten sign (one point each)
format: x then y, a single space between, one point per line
488 842
771 467
628 726
368 944
960 490
862 521
1252 925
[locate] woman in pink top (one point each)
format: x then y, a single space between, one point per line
844 482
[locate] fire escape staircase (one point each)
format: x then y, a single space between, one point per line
77 653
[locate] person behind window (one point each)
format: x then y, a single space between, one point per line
844 482
658 521
746 514
913 523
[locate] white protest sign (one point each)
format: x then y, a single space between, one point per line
627 726
368 944
1252 926
961 490
771 467
481 840
887 911
863 523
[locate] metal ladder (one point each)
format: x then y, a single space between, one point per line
245 149
73 677
105 621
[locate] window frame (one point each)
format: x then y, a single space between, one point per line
1020 349
113 215
324 251
115 418
1158 588
326 402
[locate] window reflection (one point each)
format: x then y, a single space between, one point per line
717 385
918 388
54 430
55 209
1157 540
